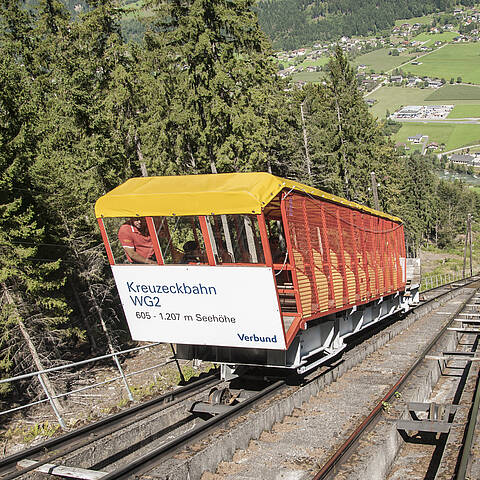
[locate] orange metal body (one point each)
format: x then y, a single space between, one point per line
340 257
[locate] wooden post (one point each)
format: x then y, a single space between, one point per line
465 250
305 141
470 241
374 191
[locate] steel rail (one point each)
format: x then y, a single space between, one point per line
147 461
168 401
467 444
346 447
114 422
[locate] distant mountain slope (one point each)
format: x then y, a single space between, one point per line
291 24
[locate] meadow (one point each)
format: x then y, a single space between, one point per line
428 39
452 135
319 62
455 92
421 20
465 111
392 98
380 60
310 77
450 61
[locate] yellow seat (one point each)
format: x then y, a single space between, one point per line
337 280
351 280
321 281
304 285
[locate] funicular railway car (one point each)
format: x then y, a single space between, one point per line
250 268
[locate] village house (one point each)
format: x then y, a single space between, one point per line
463 159
435 83
417 138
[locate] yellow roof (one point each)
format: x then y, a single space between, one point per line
223 193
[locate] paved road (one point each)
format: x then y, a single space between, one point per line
439 155
460 121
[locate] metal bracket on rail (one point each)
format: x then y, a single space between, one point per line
437 419
446 356
64 471
219 401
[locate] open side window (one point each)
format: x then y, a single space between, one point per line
235 239
180 239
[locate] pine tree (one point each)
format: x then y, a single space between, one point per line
417 200
89 145
347 143
30 279
206 76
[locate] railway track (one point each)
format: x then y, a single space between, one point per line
56 448
297 446
201 408
438 434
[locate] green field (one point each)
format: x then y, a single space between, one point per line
452 135
311 77
380 60
319 62
392 98
428 39
473 182
465 111
463 93
134 5
421 20
459 60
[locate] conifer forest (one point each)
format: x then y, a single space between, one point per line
82 109
293 23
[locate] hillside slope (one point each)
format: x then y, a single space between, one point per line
291 24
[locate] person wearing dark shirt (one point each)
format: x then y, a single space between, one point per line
191 252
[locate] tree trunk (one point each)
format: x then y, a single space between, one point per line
344 164
91 336
305 142
138 146
33 351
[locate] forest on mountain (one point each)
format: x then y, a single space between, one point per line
81 111
292 24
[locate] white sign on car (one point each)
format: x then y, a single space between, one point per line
201 305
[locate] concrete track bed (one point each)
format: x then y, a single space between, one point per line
289 437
